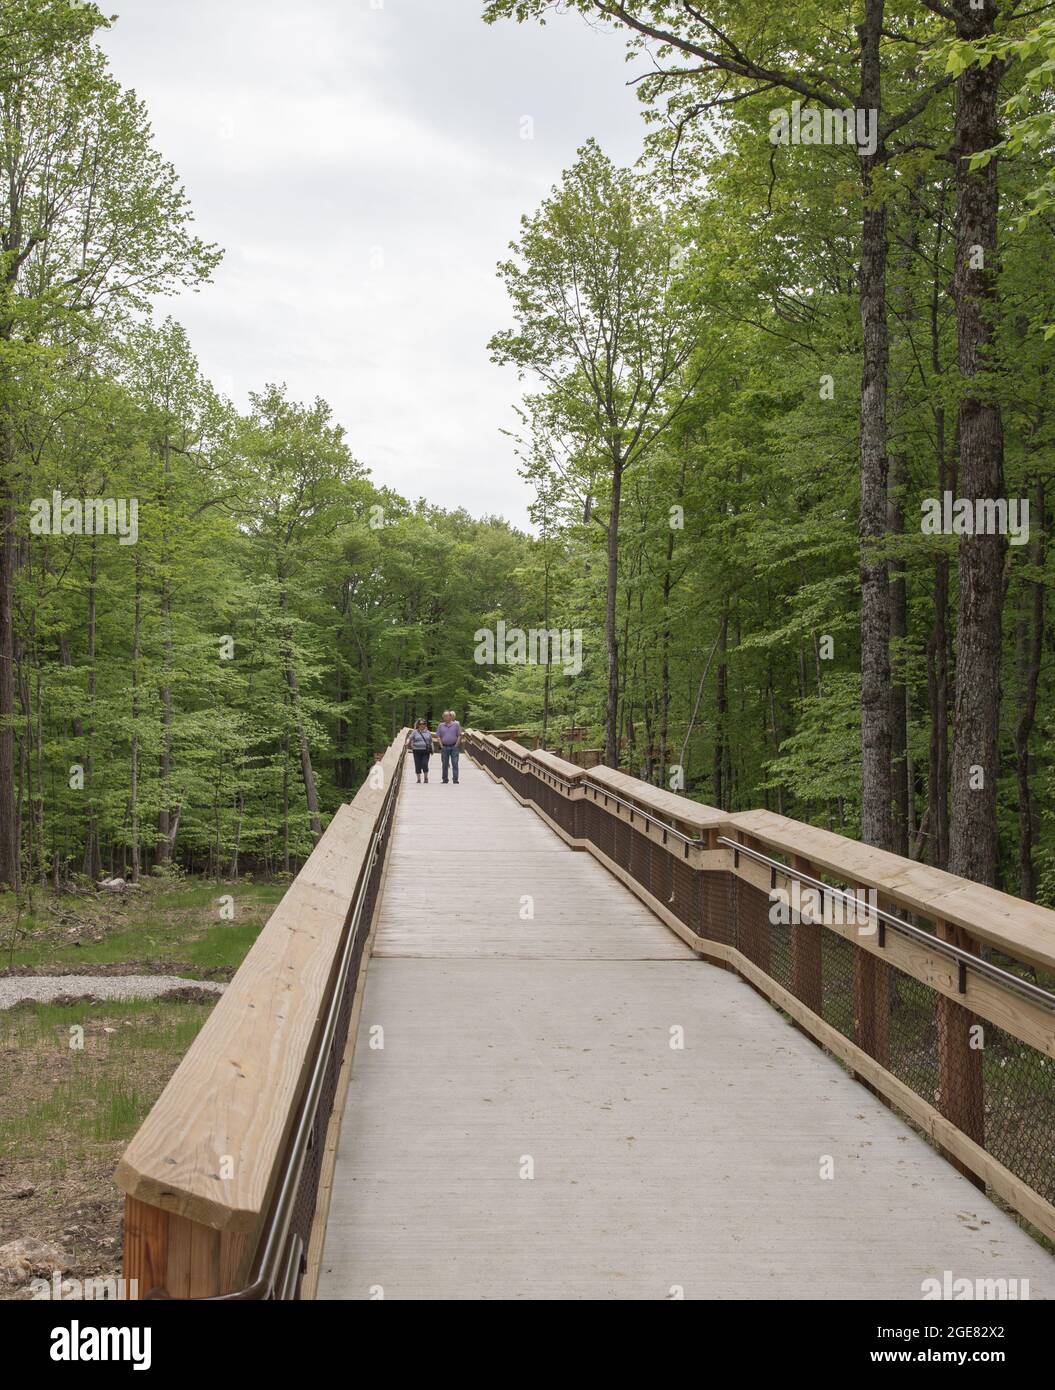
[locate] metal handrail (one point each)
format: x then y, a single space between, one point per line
277 1264
964 959
548 775
697 841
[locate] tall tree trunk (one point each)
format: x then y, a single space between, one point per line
545 624
1030 656
875 594
10 872
938 641
611 640
164 837
664 677
311 795
975 756
664 669
627 737
137 626
285 805
40 774
902 791
10 857
93 866
901 766
775 731
721 708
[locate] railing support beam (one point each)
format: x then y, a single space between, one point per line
961 1038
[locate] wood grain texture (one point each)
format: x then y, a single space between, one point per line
658 800
467 863
654 1168
1024 930
569 771
208 1150
1015 1013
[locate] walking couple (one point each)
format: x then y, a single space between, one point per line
449 733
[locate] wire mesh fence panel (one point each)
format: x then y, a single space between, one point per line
621 842
806 972
781 961
717 910
684 898
752 924
605 824
662 878
589 828
913 1054
1019 1091
837 982
640 860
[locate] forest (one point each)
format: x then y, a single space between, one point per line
784 414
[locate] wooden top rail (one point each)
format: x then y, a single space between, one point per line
210 1148
1018 928
569 772
860 997
1022 930
657 800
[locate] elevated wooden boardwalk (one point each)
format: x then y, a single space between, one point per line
518 1044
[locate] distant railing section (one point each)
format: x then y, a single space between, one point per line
881 961
222 1179
579 757
529 740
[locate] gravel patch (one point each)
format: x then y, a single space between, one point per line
121 967
44 989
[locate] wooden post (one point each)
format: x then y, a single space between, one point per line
145 1265
200 1172
170 1256
872 1004
961 1093
806 952
753 911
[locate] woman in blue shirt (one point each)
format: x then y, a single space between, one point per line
420 744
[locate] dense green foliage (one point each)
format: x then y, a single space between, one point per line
210 690
697 429
865 328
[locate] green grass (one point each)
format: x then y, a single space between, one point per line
66 1102
156 924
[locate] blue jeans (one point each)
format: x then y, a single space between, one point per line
449 758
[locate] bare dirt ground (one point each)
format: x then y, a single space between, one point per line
50 989
79 1071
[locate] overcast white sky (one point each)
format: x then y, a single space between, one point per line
316 136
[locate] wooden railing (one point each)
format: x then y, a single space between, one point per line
227 1180
934 991
515 734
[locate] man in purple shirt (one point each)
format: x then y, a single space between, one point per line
449 733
